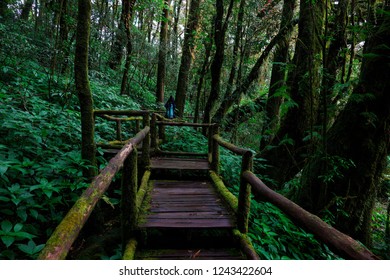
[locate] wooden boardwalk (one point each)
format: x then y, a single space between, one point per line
186 204
179 163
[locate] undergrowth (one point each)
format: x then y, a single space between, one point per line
40 162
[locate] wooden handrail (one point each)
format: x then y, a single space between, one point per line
337 241
184 124
120 112
231 147
59 243
111 118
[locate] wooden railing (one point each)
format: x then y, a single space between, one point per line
337 241
60 242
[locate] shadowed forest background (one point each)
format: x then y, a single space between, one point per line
304 84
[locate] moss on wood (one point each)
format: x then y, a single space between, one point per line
231 200
130 249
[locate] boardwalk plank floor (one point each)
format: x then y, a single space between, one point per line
186 204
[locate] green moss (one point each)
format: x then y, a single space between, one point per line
231 200
130 249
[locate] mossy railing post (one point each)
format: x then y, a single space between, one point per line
129 196
118 130
153 132
210 143
146 142
137 126
215 149
244 196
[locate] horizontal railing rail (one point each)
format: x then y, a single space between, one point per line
340 243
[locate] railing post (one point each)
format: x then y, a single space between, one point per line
129 196
153 133
146 142
118 130
210 143
244 196
215 149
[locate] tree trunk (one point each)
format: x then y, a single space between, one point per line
252 76
286 158
26 10
205 66
88 147
238 38
187 55
129 5
278 78
162 54
4 12
216 66
345 180
333 61
120 38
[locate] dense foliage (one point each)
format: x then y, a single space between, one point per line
40 159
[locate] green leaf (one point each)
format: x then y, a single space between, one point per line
6 226
18 227
7 240
3 169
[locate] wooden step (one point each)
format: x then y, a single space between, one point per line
186 204
179 163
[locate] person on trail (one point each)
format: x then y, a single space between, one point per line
170 108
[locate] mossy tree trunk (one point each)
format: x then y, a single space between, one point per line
220 27
278 77
187 55
120 38
83 89
129 6
286 159
344 181
162 53
228 99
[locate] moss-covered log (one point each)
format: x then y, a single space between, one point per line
129 210
111 118
120 112
230 146
59 243
244 196
230 198
130 249
245 245
337 241
183 124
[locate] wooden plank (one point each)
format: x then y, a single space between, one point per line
179 164
185 215
188 223
186 204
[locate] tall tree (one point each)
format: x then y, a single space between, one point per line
26 9
286 158
120 38
88 147
278 77
4 12
162 54
129 15
344 180
187 55
220 27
